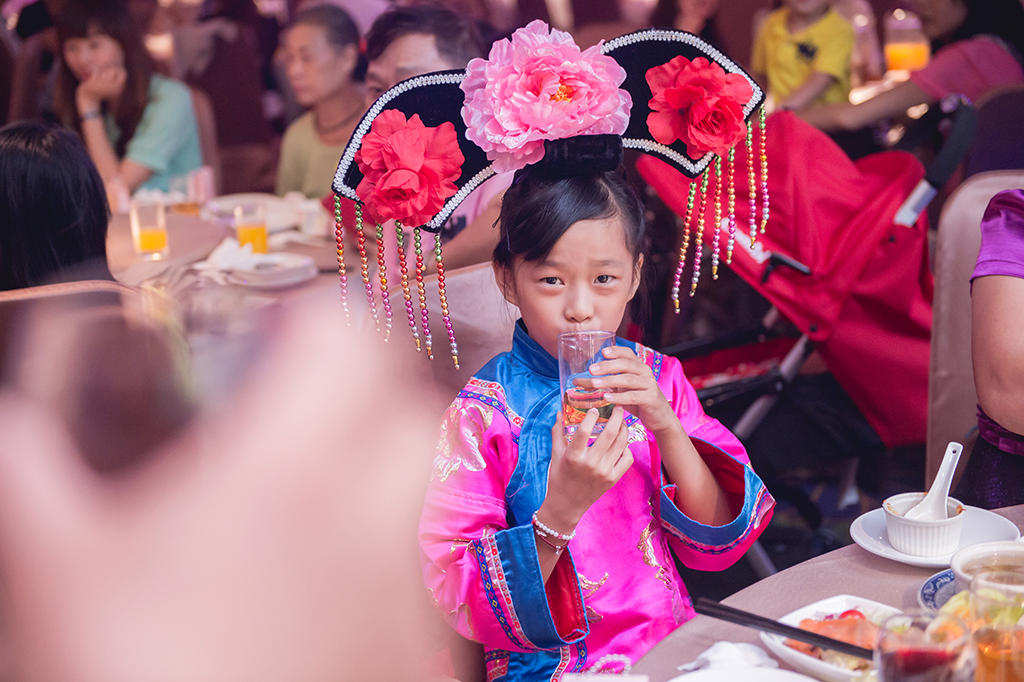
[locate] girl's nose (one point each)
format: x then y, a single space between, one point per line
579 307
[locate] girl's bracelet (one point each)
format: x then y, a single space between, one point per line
557 549
542 529
94 113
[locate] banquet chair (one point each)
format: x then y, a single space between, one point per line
951 396
207 125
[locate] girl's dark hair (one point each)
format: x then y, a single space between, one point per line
53 208
538 209
114 19
1001 18
340 29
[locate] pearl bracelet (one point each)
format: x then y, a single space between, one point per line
557 549
551 532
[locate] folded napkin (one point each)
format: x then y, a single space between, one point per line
731 655
230 256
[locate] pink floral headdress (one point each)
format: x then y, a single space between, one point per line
426 143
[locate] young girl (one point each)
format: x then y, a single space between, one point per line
139 127
555 553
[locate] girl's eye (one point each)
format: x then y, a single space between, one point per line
604 279
549 280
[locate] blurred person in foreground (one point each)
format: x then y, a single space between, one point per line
411 41
994 474
325 69
976 48
139 127
53 210
269 538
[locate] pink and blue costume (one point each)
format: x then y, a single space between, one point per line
615 592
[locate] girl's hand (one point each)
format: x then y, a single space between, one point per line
105 84
629 382
579 474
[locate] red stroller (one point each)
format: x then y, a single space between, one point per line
845 259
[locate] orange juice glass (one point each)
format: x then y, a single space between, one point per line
251 226
148 223
906 56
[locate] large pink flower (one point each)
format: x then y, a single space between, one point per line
409 169
699 103
540 86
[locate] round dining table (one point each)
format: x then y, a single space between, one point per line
849 570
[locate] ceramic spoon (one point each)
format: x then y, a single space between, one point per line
933 506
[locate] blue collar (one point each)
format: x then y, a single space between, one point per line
532 354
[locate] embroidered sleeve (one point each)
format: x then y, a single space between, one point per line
485 576
696 544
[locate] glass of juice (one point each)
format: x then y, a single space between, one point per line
918 646
997 614
577 351
251 226
906 46
148 221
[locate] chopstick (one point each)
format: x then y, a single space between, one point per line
710 607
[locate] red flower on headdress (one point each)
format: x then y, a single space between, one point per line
409 169
699 103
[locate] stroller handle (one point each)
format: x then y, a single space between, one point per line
961 133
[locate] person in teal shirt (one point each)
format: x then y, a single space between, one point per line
139 127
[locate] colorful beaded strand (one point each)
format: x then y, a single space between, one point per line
339 236
731 189
406 294
751 184
421 290
698 245
718 217
444 301
764 170
364 267
677 281
382 274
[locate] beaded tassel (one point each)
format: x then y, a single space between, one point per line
444 301
339 236
732 204
718 217
422 292
406 294
764 169
364 267
382 274
751 184
676 282
698 246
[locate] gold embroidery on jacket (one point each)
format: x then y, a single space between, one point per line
589 588
459 444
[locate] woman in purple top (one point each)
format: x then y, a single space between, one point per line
995 473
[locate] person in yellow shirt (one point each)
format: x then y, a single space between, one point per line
803 50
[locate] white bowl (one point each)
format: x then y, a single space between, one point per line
920 537
986 556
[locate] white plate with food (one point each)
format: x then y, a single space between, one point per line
980 525
275 271
279 214
851 619
732 674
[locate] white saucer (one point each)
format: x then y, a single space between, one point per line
980 525
937 590
276 271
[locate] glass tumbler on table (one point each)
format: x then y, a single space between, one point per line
997 614
924 647
906 46
251 226
148 221
577 351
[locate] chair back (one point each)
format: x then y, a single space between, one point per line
999 143
207 126
8 51
952 399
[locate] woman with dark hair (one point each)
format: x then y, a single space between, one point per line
325 69
53 210
139 127
977 47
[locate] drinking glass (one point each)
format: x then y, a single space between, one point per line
997 614
148 221
577 351
918 646
251 226
906 47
